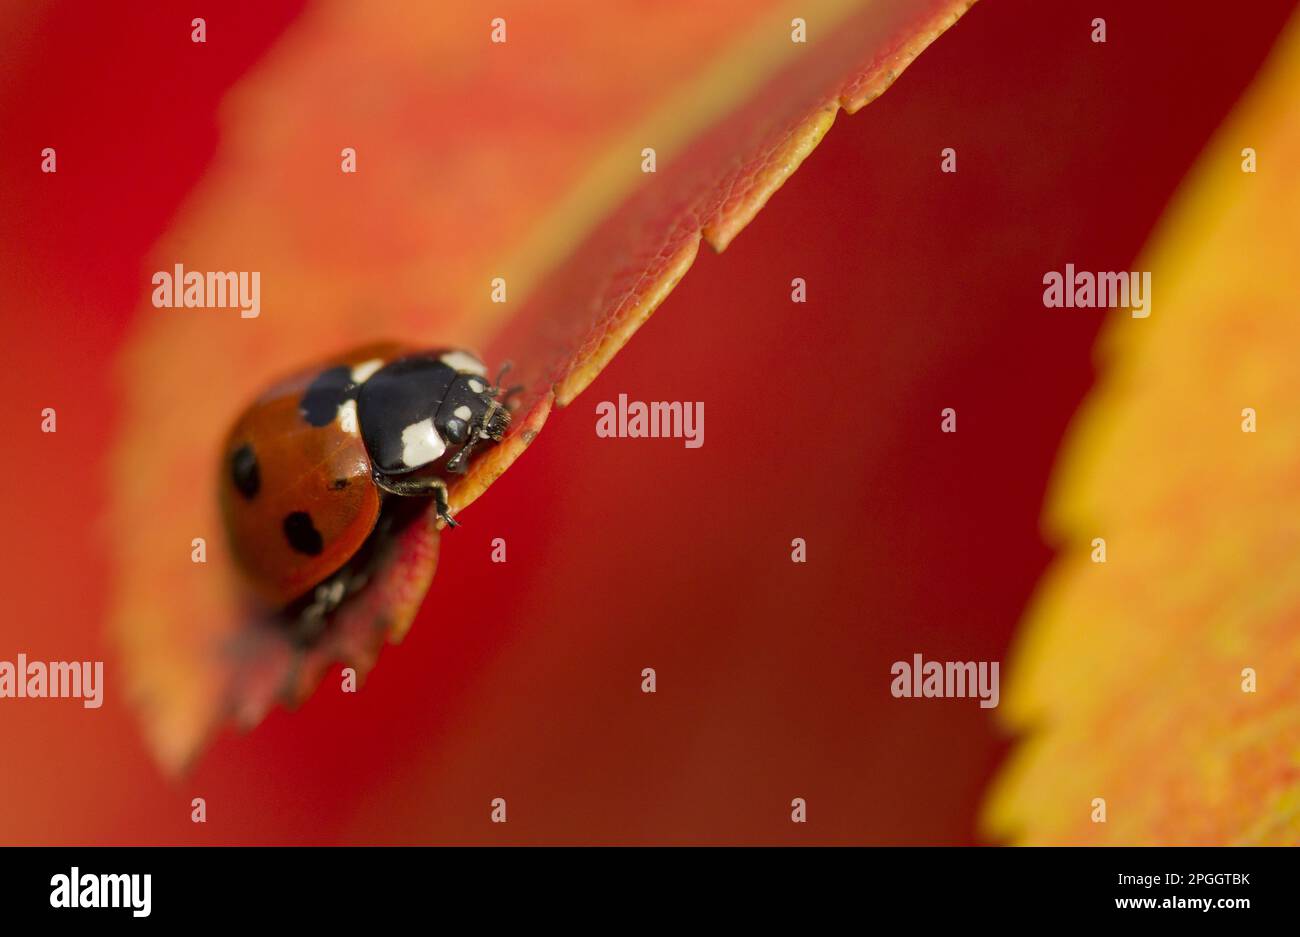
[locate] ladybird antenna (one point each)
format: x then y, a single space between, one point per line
509 392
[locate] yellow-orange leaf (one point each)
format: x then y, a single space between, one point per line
1131 678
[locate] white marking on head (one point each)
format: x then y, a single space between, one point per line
361 373
421 444
348 416
477 386
463 413
464 363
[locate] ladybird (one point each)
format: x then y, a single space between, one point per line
327 463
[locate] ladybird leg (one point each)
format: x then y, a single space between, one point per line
441 502
423 487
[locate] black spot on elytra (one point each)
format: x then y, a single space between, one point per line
320 404
302 533
244 471
339 484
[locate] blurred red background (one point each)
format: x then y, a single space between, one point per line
522 680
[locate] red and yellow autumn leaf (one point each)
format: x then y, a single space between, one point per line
1133 678
520 161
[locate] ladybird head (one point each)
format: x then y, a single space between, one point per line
429 408
470 415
